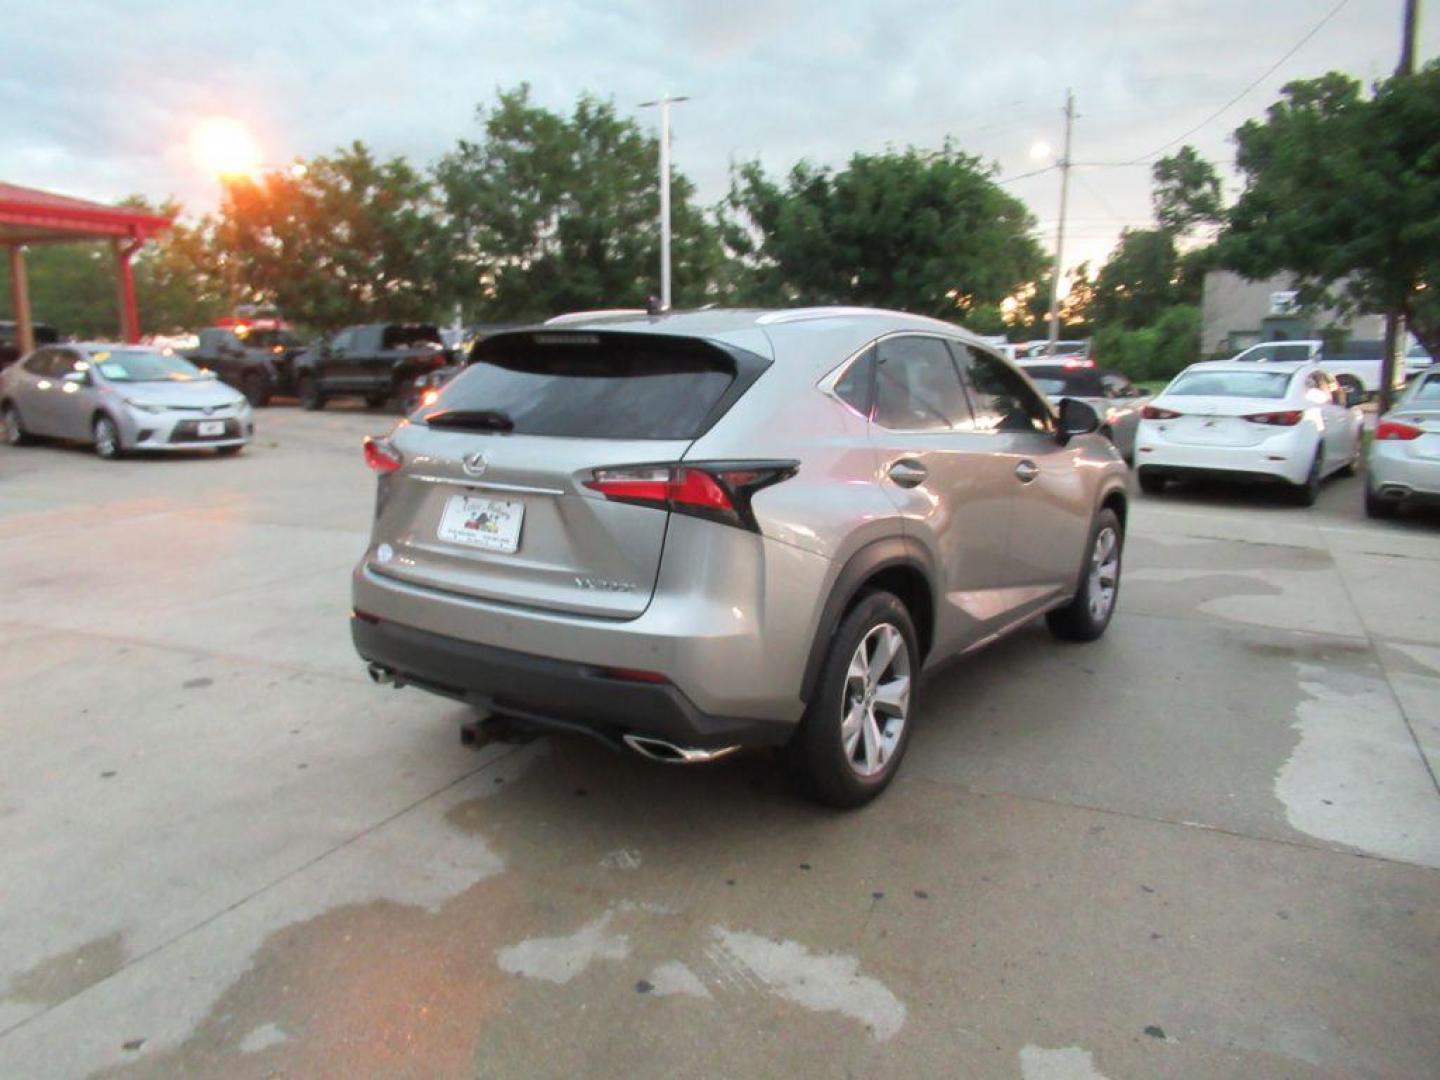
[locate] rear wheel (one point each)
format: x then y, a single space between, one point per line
308 390
1309 491
256 389
1151 482
14 431
854 732
1086 617
107 438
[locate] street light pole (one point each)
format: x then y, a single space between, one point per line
664 104
1060 225
1394 323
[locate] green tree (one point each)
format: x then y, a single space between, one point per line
929 232
177 280
549 213
1139 280
72 288
1342 190
1186 192
346 239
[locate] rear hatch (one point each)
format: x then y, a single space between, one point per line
1220 421
490 499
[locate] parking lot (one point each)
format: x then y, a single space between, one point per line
1207 845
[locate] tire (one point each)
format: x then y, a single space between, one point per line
107 438
308 391
1378 508
1151 482
1307 493
1088 614
843 768
256 389
228 451
15 434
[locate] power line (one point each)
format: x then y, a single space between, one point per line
1026 175
1226 107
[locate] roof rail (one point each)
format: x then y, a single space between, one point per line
598 315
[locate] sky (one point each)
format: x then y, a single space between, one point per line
100 97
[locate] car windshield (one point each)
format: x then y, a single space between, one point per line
1248 384
140 365
1426 390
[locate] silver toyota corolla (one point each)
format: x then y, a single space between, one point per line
121 398
695 532
1403 467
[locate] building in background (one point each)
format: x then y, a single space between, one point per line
1237 313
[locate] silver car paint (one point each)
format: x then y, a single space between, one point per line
733 614
67 409
1413 464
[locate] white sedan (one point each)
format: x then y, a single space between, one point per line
1290 423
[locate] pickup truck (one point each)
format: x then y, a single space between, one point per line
377 361
259 361
1349 371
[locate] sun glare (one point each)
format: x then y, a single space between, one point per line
221 146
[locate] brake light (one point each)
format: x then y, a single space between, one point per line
380 455
1078 362
1288 418
640 675
1398 430
427 397
717 491
1151 412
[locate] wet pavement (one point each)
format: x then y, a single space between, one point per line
1207 845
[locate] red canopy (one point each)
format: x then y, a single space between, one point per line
28 216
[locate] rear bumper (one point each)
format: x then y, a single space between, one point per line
1392 473
1284 458
559 694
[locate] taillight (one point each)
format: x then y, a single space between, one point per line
1150 412
427 397
1078 362
715 490
380 455
1398 430
1288 418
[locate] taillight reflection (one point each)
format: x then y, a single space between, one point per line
380 455
1287 418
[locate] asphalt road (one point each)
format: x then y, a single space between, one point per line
1207 845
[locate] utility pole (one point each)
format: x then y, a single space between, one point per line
664 104
1060 225
1394 322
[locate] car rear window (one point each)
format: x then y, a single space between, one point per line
1254 384
1428 390
1060 381
597 386
406 336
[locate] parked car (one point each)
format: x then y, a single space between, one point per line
121 398
425 387
1349 370
378 362
1072 352
1285 422
258 360
10 340
1403 468
697 532
1112 395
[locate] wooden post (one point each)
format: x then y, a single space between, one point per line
20 300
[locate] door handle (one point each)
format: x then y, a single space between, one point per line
1027 471
908 474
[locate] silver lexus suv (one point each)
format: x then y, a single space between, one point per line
695 532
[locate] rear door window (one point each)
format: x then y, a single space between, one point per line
599 385
917 387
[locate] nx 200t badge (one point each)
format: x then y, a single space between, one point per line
602 585
474 463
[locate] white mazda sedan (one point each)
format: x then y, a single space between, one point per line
1291 424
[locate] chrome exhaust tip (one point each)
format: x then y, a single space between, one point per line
383 676
669 754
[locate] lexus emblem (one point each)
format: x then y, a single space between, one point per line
474 464
209 409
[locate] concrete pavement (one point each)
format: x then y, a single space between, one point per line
1207 845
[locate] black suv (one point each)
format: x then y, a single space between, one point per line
377 361
258 361
10 340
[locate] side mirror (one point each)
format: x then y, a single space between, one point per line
1354 395
1076 418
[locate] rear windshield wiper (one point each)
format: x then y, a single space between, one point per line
471 419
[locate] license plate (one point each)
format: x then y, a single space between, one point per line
210 428
492 524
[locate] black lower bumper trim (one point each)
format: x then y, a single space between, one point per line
552 693
1200 473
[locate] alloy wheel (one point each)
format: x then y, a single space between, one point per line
107 439
1104 573
876 702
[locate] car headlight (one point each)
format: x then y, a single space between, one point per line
144 406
